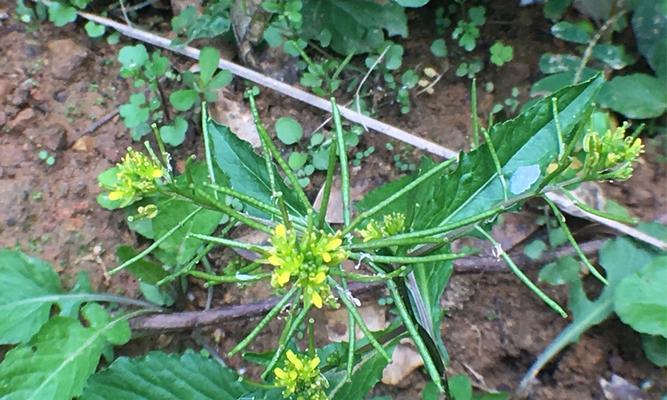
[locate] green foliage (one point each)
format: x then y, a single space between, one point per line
28 289
190 25
467 31
501 54
61 14
639 299
352 26
439 48
288 130
634 277
94 30
635 95
58 360
162 376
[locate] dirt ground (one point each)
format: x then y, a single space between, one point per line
56 83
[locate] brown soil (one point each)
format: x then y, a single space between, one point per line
55 83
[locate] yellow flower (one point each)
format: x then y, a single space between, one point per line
305 262
610 154
392 224
135 177
300 378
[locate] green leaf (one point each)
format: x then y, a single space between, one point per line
134 113
636 96
94 30
58 360
612 55
460 387
363 380
208 63
183 100
570 32
393 58
501 54
61 14
655 348
551 63
161 376
220 80
143 269
640 301
412 3
247 170
356 26
288 130
554 9
297 160
174 134
535 249
564 270
132 57
431 279
28 289
649 23
439 48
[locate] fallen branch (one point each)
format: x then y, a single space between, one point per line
158 323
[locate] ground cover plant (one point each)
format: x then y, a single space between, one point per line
402 238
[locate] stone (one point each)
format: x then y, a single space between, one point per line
65 56
52 137
22 120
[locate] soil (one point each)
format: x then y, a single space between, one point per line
56 83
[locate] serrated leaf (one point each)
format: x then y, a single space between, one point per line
161 376
356 26
58 360
28 289
247 170
640 301
527 140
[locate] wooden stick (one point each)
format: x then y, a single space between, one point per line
278 86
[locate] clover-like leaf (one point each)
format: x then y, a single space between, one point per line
174 134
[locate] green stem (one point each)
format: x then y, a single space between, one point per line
563 224
407 259
375 278
328 183
213 202
156 243
279 159
352 310
266 152
515 269
245 199
414 334
291 330
231 243
265 321
215 279
342 160
587 208
383 204
389 242
473 115
559 130
207 146
496 161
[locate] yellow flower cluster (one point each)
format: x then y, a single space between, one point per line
305 263
300 378
135 177
392 224
611 152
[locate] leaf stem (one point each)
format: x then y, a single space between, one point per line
380 206
291 329
328 183
156 243
267 318
563 224
407 259
517 271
